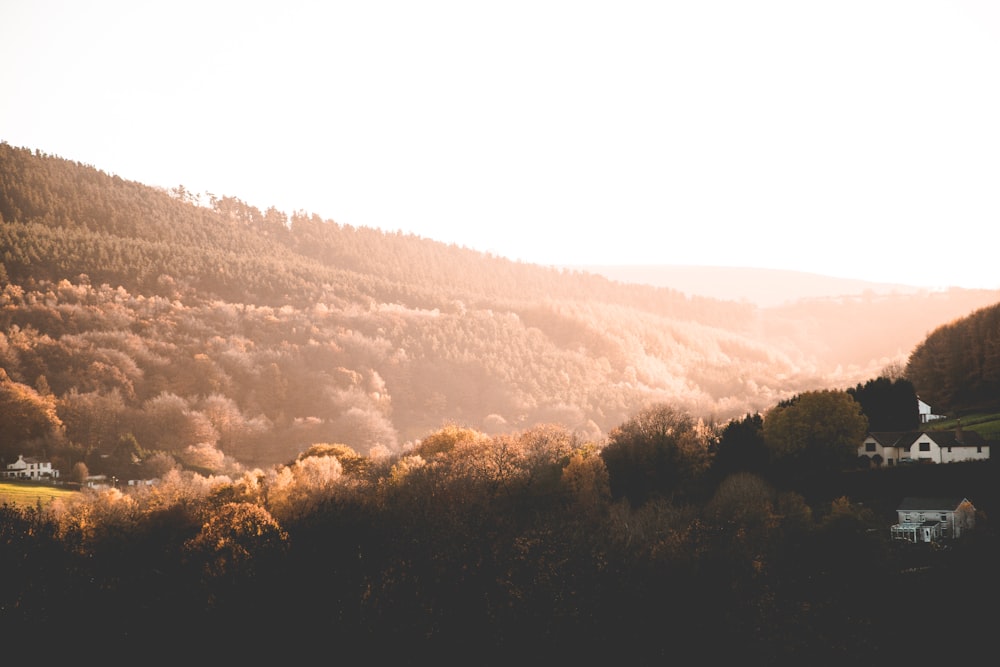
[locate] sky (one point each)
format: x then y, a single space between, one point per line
857 139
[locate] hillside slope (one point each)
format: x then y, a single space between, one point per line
214 331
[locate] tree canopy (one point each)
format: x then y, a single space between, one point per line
815 431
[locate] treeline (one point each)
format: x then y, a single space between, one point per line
224 232
477 548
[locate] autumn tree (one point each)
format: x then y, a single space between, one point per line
660 451
585 479
236 541
28 417
79 473
815 432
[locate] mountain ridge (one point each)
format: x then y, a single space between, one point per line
761 286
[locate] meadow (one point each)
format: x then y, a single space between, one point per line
31 494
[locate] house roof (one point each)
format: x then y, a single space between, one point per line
957 438
917 503
889 438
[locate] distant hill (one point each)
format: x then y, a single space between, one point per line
763 287
217 332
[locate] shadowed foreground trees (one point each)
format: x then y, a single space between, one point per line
474 548
661 451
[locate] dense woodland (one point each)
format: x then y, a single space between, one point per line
196 326
669 543
371 445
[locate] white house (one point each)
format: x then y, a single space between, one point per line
933 519
926 415
29 468
889 448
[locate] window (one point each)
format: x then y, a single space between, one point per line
979 450
925 446
869 446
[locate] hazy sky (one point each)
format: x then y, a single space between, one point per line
856 139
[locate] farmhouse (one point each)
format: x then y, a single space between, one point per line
933 519
889 448
29 468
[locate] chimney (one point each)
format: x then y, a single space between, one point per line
958 430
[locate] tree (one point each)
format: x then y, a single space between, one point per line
27 416
659 452
815 432
79 473
744 498
741 447
236 540
585 479
889 404
122 460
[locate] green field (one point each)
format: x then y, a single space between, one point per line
985 424
22 493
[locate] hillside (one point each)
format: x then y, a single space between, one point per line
958 364
225 335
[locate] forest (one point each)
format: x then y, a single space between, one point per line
169 327
368 445
671 542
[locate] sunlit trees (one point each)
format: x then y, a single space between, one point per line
301 487
585 478
93 419
815 432
351 462
237 541
28 418
167 423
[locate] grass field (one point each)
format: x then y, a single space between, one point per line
986 425
23 493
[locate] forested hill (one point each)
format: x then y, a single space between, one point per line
958 364
211 330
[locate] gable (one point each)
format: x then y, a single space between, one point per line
893 438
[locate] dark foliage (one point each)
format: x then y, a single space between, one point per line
368 570
889 405
957 367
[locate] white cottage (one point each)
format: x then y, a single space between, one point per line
933 519
29 468
889 448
